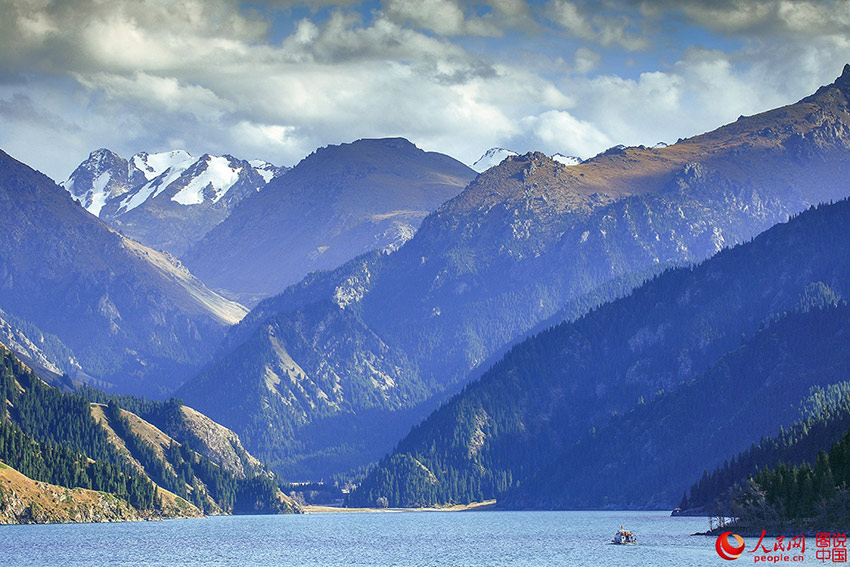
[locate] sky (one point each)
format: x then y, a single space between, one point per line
276 79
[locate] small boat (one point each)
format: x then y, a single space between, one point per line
623 537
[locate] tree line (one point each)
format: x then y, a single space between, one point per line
52 437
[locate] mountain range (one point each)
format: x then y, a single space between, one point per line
627 405
166 200
337 203
526 244
565 325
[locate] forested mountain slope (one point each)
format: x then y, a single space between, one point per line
65 440
568 384
824 420
659 447
526 241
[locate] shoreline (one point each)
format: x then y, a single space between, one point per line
473 507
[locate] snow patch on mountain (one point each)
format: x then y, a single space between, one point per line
218 174
139 197
175 168
567 160
99 193
154 165
492 158
266 170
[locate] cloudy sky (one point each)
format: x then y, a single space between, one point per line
276 79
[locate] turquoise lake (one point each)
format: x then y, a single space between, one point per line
414 539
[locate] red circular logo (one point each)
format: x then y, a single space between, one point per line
725 549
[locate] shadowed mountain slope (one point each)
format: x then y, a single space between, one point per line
544 427
132 316
339 202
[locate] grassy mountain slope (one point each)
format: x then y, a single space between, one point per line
186 475
157 442
64 439
27 501
52 437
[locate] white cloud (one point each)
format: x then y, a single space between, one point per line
155 93
258 140
205 74
801 18
441 16
700 92
457 17
586 60
217 90
583 23
559 131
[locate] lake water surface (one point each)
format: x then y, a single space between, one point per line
403 539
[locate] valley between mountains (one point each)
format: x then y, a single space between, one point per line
383 326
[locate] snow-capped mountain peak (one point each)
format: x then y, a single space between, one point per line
495 156
160 170
104 175
266 170
491 158
167 200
